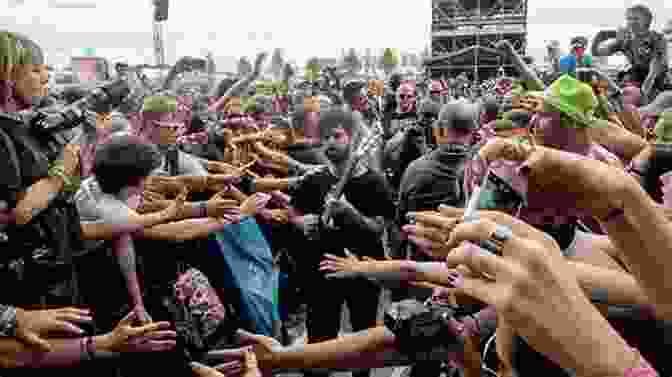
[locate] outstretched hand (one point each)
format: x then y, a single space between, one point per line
33 326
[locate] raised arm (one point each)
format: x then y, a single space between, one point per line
238 88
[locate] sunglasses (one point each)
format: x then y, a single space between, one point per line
170 125
406 96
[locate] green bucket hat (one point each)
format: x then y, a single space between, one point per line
572 98
663 129
505 124
159 104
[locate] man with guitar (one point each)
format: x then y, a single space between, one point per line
356 202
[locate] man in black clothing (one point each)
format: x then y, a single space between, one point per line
436 178
357 226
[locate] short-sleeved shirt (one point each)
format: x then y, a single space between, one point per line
96 206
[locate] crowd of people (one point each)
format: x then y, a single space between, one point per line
180 227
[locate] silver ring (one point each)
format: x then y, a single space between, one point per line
497 240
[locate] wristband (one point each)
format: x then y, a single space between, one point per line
90 348
497 240
82 349
8 323
58 170
202 209
642 367
614 214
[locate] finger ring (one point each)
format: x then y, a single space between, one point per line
497 240
453 224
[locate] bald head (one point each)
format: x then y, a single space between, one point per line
459 115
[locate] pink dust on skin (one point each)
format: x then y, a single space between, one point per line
311 125
666 181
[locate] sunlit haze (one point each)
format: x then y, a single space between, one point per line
122 29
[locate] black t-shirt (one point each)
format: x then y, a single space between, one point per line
370 195
434 179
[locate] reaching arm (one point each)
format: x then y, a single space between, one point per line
530 77
118 219
643 234
237 89
608 47
65 353
185 230
434 272
125 252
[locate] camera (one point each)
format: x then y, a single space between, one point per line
100 100
422 331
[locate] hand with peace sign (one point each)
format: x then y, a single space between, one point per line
535 291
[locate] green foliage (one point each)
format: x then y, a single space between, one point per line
277 62
352 61
313 69
244 67
390 60
271 88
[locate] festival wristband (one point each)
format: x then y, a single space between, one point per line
8 323
202 209
641 369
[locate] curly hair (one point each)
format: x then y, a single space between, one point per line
122 161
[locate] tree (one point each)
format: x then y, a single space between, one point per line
390 60
667 31
244 67
313 69
352 61
425 56
277 63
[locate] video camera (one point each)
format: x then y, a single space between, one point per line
100 100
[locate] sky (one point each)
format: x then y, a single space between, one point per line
122 29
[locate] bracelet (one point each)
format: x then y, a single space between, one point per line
58 170
203 209
90 348
642 367
8 322
614 214
82 349
497 240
